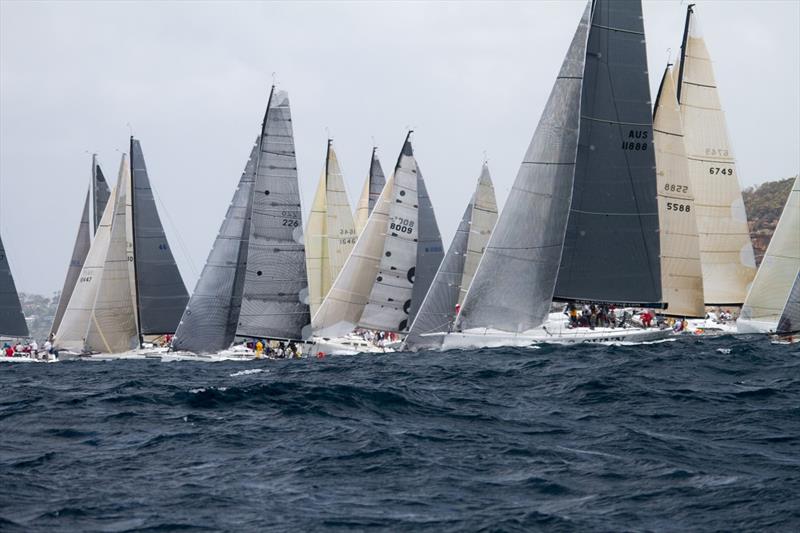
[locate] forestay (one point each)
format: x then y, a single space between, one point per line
726 252
779 269
513 285
160 292
12 321
275 295
209 323
611 246
681 275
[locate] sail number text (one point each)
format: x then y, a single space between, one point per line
347 236
402 225
720 171
671 187
290 219
681 208
637 140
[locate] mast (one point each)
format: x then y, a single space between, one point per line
136 293
689 11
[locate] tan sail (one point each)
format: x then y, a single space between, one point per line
341 310
71 334
681 273
362 209
484 217
779 268
726 252
112 327
330 233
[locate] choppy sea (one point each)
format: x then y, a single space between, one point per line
692 435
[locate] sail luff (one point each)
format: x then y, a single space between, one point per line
209 322
316 240
726 252
100 192
275 293
12 320
681 274
513 285
79 251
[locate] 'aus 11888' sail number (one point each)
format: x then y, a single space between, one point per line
402 225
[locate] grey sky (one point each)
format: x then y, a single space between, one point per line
192 79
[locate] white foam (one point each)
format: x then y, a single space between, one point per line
249 371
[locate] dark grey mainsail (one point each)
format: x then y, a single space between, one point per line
438 310
790 318
161 294
430 250
275 296
376 179
12 321
79 252
210 320
101 192
611 247
513 286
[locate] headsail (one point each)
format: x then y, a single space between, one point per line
101 192
12 321
390 299
681 275
430 250
372 191
71 333
726 252
484 218
780 267
513 285
209 322
79 251
331 233
611 246
161 294
275 295
112 326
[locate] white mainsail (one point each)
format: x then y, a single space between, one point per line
681 274
726 252
482 222
112 326
71 333
331 233
341 310
779 269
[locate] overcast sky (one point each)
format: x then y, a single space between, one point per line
192 80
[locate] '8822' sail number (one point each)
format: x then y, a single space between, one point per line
291 219
402 225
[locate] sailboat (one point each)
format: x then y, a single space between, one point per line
581 221
681 273
769 304
392 264
726 252
254 283
129 290
97 197
438 310
371 192
12 321
331 232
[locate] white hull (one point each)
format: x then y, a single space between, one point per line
709 326
755 326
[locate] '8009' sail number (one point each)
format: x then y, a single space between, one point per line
402 225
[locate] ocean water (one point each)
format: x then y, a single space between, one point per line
691 435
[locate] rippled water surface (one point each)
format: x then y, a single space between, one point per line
686 435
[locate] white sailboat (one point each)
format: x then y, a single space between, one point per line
770 294
726 252
580 223
331 232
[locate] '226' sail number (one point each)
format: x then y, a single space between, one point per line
290 219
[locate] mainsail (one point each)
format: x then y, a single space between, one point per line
331 233
210 320
112 326
484 218
372 191
430 250
71 333
513 285
681 274
160 293
12 321
726 252
389 301
611 246
780 267
790 318
275 294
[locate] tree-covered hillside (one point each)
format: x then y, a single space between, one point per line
764 204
